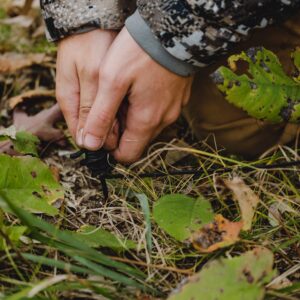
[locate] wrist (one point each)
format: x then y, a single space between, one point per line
145 38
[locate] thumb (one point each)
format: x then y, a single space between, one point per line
103 113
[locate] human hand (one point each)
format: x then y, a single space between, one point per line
78 62
155 95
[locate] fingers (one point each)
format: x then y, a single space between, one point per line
88 92
143 125
103 112
141 128
112 140
67 92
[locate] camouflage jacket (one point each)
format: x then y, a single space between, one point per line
181 35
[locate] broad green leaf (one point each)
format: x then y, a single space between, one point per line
23 142
26 143
237 278
13 233
29 184
98 237
180 215
264 91
296 58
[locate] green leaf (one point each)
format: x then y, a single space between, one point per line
94 262
13 233
98 237
65 241
26 143
180 215
29 184
236 278
8 133
265 92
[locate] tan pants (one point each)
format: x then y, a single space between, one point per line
209 114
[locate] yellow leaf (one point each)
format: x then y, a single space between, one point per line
218 234
246 199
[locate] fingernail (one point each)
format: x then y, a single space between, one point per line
79 137
92 142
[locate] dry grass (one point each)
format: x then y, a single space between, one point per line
169 262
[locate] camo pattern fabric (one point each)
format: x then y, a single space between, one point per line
200 31
66 17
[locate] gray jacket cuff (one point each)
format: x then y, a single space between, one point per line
143 35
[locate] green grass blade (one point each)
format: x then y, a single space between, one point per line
33 222
99 270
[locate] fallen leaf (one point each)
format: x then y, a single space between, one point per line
175 155
276 210
12 62
26 143
30 95
40 125
28 183
180 215
22 141
246 199
218 234
21 21
242 277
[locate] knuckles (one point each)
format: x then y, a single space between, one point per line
110 80
88 72
102 118
84 111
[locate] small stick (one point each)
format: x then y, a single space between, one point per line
160 267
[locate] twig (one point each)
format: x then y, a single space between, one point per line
159 267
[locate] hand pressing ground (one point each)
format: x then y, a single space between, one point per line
78 64
155 99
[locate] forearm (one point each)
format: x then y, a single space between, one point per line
196 33
66 17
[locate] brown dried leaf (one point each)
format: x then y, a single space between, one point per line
246 199
29 95
40 125
11 62
218 234
21 21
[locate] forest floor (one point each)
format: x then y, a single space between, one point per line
134 230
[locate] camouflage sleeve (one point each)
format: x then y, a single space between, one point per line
66 17
189 34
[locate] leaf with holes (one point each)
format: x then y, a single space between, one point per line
218 234
29 183
180 215
264 91
242 277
